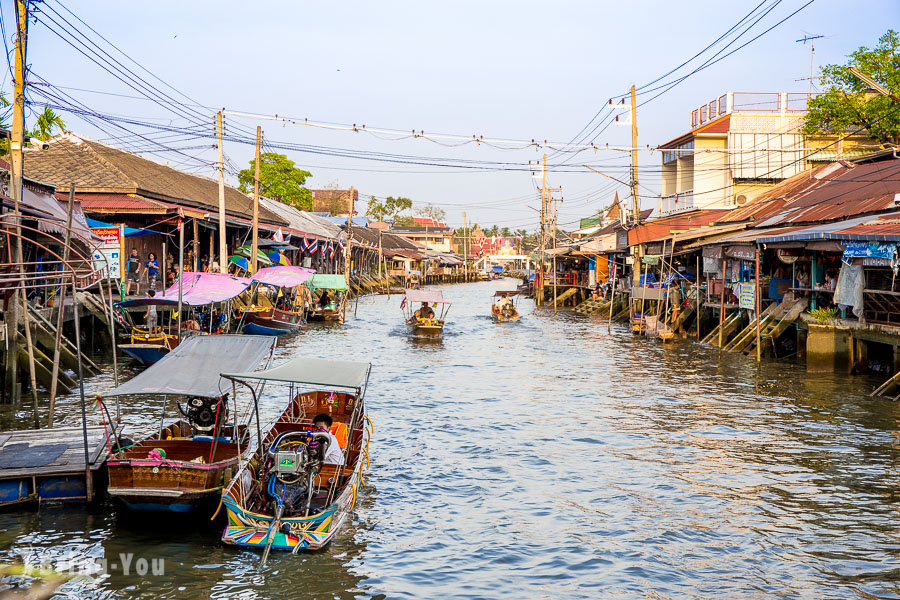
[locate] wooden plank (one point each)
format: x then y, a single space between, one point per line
70 461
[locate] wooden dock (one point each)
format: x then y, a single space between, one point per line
47 465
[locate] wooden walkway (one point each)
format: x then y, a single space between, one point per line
41 465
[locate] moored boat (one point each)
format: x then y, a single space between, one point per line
184 465
282 312
287 497
418 311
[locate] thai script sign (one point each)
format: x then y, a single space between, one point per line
869 250
109 252
746 293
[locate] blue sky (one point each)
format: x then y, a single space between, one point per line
519 70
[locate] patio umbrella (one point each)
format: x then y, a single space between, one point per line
261 258
279 259
240 261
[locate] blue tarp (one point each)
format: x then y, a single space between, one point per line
497 268
129 231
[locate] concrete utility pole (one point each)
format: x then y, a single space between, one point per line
254 261
545 229
635 197
223 249
349 238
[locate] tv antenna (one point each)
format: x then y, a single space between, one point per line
812 57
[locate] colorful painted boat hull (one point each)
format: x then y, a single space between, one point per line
146 354
272 322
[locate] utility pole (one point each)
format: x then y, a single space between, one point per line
545 230
17 160
223 249
349 239
465 249
254 260
635 197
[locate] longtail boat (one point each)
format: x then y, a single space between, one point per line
201 293
284 311
286 496
335 286
184 465
504 307
418 311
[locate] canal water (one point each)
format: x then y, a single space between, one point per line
546 459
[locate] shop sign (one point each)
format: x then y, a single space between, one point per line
869 250
648 259
109 251
741 252
746 293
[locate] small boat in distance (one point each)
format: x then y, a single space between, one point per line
504 307
286 496
184 465
418 310
281 309
329 297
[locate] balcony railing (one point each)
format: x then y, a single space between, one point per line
676 203
767 102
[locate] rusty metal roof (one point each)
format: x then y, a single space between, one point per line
827 193
657 229
883 228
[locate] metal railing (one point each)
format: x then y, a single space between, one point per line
676 203
752 102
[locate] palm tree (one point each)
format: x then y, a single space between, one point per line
46 122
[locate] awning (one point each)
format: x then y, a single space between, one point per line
129 231
312 371
326 281
287 277
193 367
198 289
429 296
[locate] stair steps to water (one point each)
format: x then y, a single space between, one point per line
731 323
774 321
566 295
889 388
45 333
684 316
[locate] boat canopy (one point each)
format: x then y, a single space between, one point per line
193 367
430 296
507 293
327 281
287 277
198 289
313 371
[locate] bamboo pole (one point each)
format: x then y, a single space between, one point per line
612 296
60 313
697 301
758 294
722 302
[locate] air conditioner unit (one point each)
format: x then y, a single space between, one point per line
740 199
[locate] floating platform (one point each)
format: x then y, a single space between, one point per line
47 465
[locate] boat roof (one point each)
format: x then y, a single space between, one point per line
198 289
429 296
313 371
193 367
327 281
507 293
283 276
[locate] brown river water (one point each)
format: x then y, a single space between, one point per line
543 459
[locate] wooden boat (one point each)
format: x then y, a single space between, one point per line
428 325
333 310
148 347
508 313
285 497
184 466
285 311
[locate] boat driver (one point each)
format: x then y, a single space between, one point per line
324 299
333 456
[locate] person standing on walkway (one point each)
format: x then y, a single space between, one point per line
152 267
133 272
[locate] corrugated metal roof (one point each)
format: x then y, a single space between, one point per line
658 229
883 228
119 203
827 193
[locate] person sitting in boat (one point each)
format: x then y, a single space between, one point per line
424 312
324 299
333 456
151 316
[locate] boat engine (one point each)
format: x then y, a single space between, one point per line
292 462
201 412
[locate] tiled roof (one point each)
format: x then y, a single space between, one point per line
95 167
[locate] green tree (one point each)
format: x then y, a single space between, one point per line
279 180
389 210
432 211
494 230
505 232
46 122
847 103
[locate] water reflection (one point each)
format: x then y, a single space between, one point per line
549 458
